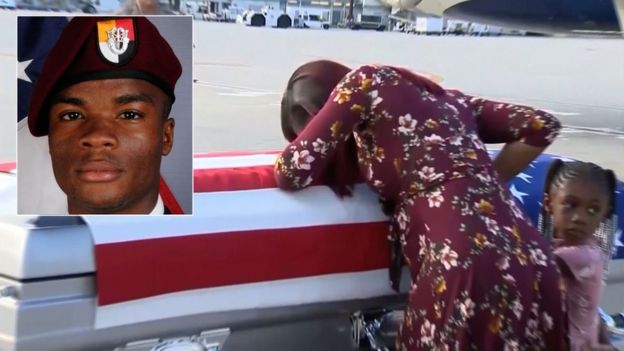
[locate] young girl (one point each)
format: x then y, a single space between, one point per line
579 213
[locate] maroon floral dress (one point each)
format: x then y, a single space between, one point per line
483 278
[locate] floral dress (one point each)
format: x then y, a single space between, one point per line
482 276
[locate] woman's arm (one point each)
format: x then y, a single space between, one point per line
526 131
306 159
515 157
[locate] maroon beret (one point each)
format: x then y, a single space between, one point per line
92 48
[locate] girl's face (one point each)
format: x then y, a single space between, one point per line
577 209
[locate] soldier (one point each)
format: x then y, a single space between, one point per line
103 99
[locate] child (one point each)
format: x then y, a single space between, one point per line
579 213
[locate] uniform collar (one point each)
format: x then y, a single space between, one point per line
159 208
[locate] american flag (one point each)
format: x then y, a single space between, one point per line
36 185
36 37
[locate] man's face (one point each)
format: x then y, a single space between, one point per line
106 140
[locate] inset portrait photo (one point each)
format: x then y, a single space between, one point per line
105 115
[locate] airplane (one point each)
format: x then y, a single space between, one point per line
548 16
133 283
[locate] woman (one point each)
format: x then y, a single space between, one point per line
483 278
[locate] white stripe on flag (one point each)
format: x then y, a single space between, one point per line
8 194
234 161
231 211
277 293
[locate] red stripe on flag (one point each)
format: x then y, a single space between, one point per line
7 167
234 179
143 268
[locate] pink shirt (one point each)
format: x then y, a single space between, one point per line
583 290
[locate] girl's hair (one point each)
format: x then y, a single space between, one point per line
560 173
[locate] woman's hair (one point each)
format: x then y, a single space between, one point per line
343 170
325 75
561 173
